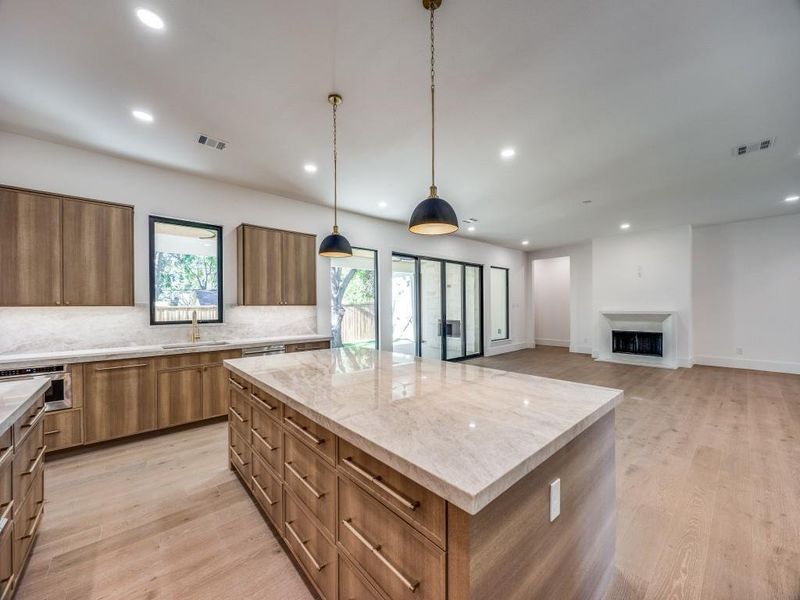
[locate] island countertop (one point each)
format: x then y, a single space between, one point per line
466 433
16 396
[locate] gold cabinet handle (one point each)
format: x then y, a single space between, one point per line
35 525
304 431
55 431
238 457
36 462
236 383
304 480
269 500
269 446
237 415
376 550
266 404
34 419
118 367
378 481
9 584
310 556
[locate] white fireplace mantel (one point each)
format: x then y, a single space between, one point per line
663 321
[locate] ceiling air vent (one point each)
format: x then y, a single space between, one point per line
471 220
754 147
206 140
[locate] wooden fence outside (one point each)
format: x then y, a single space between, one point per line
358 323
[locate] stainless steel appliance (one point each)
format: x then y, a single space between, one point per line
59 396
264 350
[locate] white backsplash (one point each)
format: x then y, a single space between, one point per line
51 329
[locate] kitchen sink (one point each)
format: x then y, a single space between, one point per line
191 345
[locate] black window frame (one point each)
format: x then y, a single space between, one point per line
377 296
153 219
508 321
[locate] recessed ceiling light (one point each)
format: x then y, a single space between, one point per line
143 116
471 228
309 168
149 18
792 198
382 204
508 153
525 242
625 226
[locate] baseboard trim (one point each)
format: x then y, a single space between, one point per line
503 348
581 349
547 342
732 362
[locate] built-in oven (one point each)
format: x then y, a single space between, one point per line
59 396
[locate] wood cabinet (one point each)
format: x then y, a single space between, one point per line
215 390
63 429
58 251
180 396
119 399
276 267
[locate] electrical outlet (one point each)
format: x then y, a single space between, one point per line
555 499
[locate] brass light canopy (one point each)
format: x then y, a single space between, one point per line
335 245
434 215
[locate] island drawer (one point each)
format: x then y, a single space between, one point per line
351 586
421 507
312 480
400 561
240 456
27 516
238 383
311 547
63 429
6 441
271 405
6 557
313 435
28 458
239 414
268 491
6 477
266 439
25 424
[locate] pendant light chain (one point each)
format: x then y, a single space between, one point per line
335 174
433 105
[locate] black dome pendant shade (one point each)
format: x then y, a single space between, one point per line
433 216
335 245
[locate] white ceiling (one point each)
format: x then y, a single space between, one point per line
632 104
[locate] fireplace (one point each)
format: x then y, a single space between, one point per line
642 343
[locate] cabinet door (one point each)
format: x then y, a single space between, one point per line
215 391
300 269
30 249
261 266
119 399
98 254
180 396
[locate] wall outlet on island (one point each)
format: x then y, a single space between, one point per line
555 499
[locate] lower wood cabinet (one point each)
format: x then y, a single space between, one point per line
310 546
351 585
180 396
63 429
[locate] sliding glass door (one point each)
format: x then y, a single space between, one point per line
446 313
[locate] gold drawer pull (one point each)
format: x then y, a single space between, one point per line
376 550
33 419
8 586
36 462
310 556
238 457
55 431
304 431
269 446
35 525
118 367
377 480
267 405
263 492
236 383
237 415
303 479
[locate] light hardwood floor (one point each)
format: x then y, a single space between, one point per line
708 494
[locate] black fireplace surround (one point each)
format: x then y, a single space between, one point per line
647 343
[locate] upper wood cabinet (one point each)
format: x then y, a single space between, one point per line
276 267
64 251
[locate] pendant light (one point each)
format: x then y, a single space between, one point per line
433 216
335 245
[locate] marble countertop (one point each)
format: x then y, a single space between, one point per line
16 396
466 433
44 359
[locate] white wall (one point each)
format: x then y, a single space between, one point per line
747 293
580 294
30 163
646 271
551 301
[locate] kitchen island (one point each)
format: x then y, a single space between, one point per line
389 476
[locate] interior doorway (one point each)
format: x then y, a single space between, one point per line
551 301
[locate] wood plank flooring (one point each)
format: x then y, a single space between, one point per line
708 494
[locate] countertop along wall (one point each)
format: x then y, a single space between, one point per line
35 164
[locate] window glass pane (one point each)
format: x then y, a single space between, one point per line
430 312
499 290
473 309
404 294
454 330
185 277
354 294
